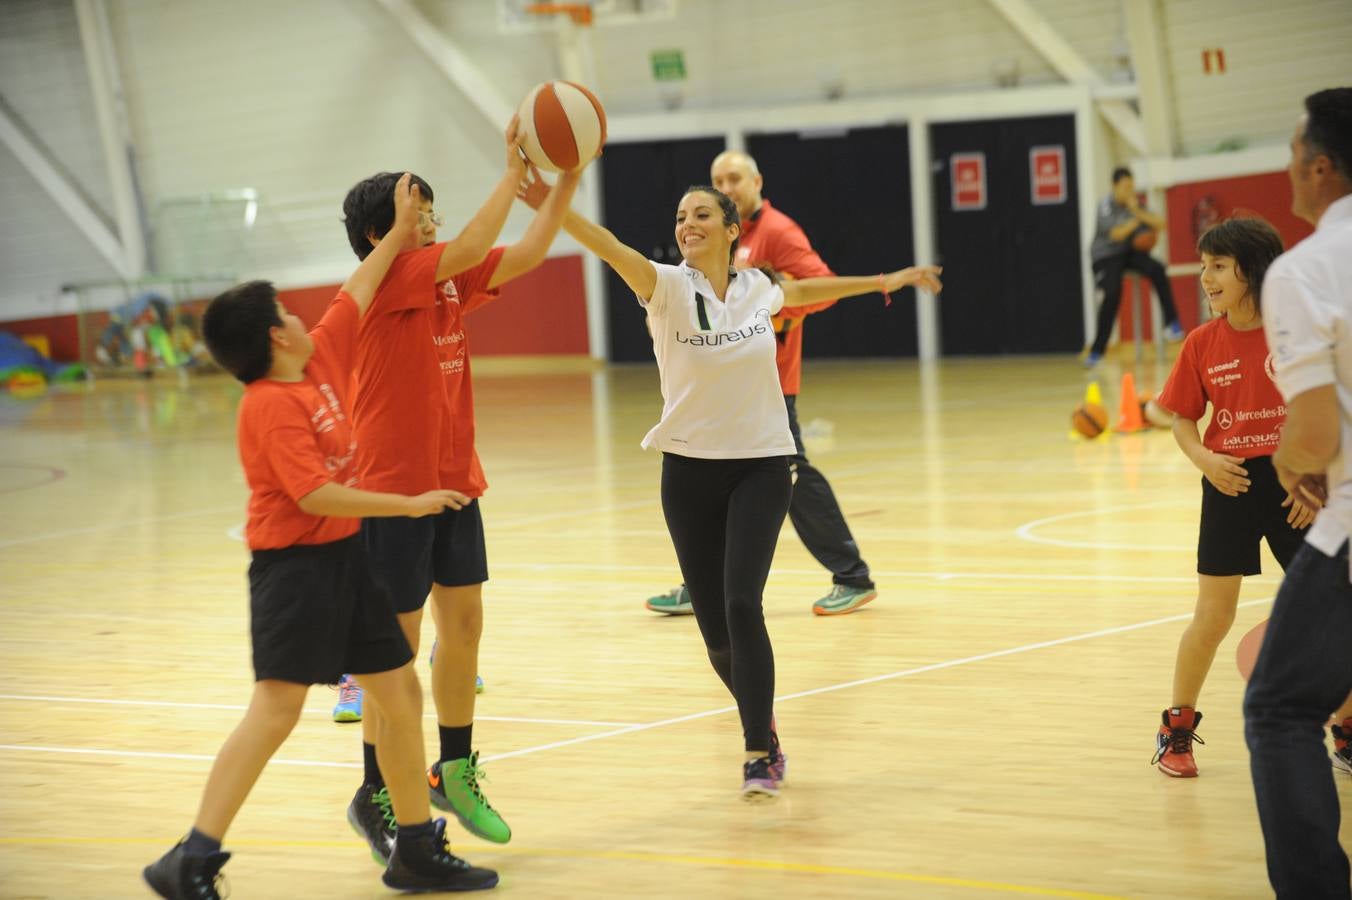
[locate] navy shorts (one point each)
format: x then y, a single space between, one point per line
316 612
1231 527
409 555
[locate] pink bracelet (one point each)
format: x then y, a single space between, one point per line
887 298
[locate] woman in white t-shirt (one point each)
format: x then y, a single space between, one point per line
724 435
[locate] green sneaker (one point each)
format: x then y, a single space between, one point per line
675 602
454 785
843 599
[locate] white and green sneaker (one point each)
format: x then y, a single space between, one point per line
843 599
675 602
454 787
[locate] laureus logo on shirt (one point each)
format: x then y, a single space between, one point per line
760 325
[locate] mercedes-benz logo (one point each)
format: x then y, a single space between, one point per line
1224 419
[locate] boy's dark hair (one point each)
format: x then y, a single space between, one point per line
369 209
730 214
1328 128
236 327
1121 172
1252 243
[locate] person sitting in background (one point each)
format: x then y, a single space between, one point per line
1122 239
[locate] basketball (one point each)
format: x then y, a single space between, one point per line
1144 239
563 126
1089 419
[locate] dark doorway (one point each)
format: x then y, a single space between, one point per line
850 191
1011 270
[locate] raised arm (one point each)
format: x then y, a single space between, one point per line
530 251
467 249
627 262
815 290
362 284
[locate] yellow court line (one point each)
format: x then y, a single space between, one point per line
638 856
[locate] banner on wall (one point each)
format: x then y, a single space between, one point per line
1047 170
968 173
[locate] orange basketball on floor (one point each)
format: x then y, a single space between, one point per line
1144 239
1246 654
563 126
1089 419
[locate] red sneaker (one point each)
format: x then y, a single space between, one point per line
1342 746
1173 744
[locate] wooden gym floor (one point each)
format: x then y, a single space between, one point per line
983 729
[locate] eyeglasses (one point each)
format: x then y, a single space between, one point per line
425 217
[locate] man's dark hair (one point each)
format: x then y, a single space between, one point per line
237 328
1328 128
369 209
1121 172
1252 243
730 214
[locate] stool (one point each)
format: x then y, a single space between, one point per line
1138 302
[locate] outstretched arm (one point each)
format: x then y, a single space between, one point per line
472 244
627 262
333 499
815 290
362 284
529 252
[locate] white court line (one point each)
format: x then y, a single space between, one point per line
905 673
1025 531
630 729
125 523
146 754
238 707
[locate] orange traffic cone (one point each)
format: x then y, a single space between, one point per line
1129 407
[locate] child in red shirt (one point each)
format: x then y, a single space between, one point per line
1225 363
316 610
414 412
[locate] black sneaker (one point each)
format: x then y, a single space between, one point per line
428 865
372 816
178 876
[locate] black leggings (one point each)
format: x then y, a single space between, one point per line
724 517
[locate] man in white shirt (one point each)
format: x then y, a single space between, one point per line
1304 670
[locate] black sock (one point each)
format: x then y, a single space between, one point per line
199 844
455 742
371 774
412 833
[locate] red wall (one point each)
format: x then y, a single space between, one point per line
543 312
1267 195
63 333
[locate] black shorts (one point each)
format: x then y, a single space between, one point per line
1231 527
317 612
408 555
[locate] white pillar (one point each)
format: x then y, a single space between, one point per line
922 230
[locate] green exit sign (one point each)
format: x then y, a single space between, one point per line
668 65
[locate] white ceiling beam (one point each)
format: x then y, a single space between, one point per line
1066 61
15 135
1146 38
119 150
453 62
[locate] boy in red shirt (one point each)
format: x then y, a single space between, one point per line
316 610
414 412
1226 363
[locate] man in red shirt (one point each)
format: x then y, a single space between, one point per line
771 238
